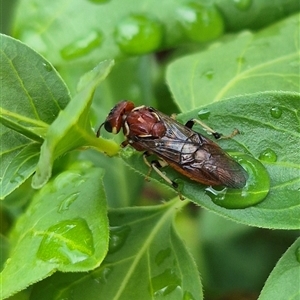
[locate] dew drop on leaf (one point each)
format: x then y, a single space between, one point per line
162 255
242 4
101 275
165 283
83 46
66 202
139 34
67 242
209 74
276 112
47 66
203 114
118 237
66 179
256 189
268 155
17 178
200 22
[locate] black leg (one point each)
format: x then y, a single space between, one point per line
216 134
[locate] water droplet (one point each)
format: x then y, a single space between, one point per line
297 252
67 201
65 179
256 189
200 22
188 296
81 47
209 74
47 66
67 242
164 283
118 237
203 114
242 4
162 255
268 155
137 34
17 178
276 112
101 274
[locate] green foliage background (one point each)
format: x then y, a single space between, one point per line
80 224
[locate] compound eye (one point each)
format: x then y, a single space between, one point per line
108 126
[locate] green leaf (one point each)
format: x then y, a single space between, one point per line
94 38
255 14
63 35
246 64
283 282
146 260
52 235
20 165
72 129
32 94
261 131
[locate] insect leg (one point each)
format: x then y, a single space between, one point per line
156 165
124 143
216 134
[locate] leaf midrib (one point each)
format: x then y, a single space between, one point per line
241 75
175 205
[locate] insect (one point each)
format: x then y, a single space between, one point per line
177 145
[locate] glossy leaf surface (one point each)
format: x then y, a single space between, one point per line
146 260
94 37
261 131
246 64
53 236
285 274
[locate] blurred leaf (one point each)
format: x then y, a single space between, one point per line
146 260
52 235
117 174
94 37
63 35
255 14
72 129
260 131
223 238
4 247
268 60
283 282
32 94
